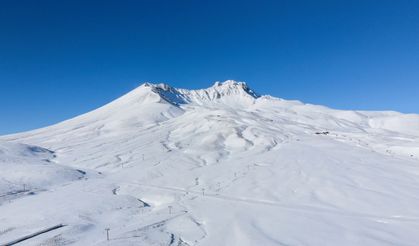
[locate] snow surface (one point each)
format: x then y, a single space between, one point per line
218 166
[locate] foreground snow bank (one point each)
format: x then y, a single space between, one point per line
28 168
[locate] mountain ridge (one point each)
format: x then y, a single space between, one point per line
178 96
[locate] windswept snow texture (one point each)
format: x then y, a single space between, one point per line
218 166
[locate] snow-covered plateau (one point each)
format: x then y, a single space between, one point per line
217 166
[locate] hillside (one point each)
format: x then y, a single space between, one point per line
217 166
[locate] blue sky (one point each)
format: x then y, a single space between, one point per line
59 59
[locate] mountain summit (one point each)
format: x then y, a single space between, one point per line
219 90
215 166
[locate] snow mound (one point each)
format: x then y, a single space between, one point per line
28 168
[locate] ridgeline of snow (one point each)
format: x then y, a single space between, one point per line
218 91
217 166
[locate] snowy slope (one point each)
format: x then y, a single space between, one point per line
29 169
217 166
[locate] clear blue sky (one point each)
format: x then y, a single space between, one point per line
62 58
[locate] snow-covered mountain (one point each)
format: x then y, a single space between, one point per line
217 166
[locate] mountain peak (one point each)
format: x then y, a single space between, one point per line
233 85
230 83
220 90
